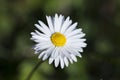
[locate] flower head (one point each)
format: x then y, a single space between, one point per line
59 41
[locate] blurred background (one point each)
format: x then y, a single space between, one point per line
100 20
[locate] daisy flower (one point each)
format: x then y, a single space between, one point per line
59 41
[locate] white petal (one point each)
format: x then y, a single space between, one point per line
53 52
56 54
45 27
78 36
49 50
66 61
41 40
45 43
71 28
75 35
82 35
41 54
42 29
73 50
66 24
47 53
65 52
61 63
73 57
51 60
33 33
56 23
45 57
80 49
80 44
57 61
36 52
42 47
71 61
39 27
41 35
80 55
75 41
50 24
61 18
36 36
77 31
84 45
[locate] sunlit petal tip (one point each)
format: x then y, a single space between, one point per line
36 52
76 23
45 57
61 62
73 57
80 55
56 14
56 62
51 60
36 25
41 55
66 62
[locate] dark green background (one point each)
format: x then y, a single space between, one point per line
100 20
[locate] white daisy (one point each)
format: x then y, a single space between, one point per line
59 41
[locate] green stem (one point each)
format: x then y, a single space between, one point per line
33 70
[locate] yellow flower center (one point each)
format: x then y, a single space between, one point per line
58 39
